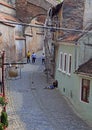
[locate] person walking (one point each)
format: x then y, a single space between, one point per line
33 57
28 57
43 58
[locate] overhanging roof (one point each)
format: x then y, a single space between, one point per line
86 68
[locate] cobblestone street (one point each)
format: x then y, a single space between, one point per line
31 107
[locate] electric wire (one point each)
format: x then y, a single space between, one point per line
45 26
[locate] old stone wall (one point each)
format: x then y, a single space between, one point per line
41 3
73 12
87 12
26 10
7 41
6 8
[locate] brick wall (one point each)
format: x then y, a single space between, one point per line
21 9
26 10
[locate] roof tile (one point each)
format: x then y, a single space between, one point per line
7 17
6 4
86 68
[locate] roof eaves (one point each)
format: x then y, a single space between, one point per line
7 5
85 68
7 24
71 37
7 17
84 74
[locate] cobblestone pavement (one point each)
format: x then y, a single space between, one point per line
31 107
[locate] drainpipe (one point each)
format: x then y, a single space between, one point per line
75 67
25 46
3 82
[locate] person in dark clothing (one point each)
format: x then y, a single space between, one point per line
43 58
33 57
54 85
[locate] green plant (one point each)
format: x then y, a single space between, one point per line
3 102
4 119
1 126
59 0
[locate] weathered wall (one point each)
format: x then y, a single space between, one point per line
8 41
85 52
41 3
19 30
25 10
73 12
28 43
20 49
77 14
5 8
37 40
88 12
19 42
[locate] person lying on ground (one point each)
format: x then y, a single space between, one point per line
54 85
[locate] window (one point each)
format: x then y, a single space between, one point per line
61 61
69 64
65 62
85 89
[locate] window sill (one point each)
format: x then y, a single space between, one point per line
64 72
59 69
69 74
82 101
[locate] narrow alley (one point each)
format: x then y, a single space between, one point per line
31 107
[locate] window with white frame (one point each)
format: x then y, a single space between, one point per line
65 62
61 61
85 90
69 63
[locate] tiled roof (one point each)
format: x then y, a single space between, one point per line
86 68
7 17
74 35
7 24
6 4
66 37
